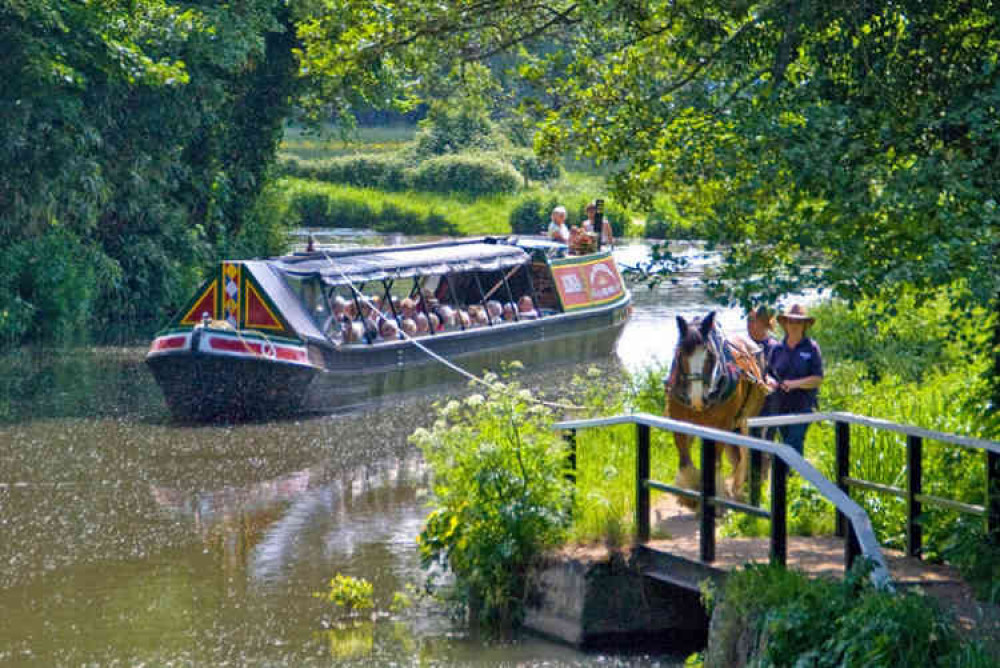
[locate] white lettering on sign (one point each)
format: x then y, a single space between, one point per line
571 283
603 282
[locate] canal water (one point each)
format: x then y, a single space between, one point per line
126 539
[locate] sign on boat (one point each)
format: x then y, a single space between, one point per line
328 329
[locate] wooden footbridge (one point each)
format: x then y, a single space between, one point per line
692 553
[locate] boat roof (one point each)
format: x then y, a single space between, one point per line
359 265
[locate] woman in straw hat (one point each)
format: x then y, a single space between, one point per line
795 371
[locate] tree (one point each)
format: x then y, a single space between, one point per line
847 145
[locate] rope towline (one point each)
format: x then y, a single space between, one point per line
435 356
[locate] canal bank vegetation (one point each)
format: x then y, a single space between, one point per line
769 616
911 366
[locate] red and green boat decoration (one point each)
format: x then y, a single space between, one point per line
270 337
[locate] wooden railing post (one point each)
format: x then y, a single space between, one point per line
914 474
993 496
570 437
756 463
707 492
641 488
843 457
779 511
852 548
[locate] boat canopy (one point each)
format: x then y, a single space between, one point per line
361 266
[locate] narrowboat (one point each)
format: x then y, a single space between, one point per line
326 329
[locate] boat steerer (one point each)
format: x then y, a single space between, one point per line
358 295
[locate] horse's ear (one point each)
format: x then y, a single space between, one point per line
682 326
706 325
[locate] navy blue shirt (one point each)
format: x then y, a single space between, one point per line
787 363
767 346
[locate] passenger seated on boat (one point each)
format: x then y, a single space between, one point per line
409 327
464 319
408 308
446 316
353 332
423 324
481 319
526 308
508 312
388 329
435 322
494 309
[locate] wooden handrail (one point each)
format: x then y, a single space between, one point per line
913 494
876 423
855 515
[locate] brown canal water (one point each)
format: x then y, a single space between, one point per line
126 539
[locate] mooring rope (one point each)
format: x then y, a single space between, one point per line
435 356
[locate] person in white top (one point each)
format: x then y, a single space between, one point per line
558 231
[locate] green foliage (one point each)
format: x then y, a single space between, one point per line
311 204
976 556
143 132
534 168
469 174
459 120
377 170
349 594
795 620
499 496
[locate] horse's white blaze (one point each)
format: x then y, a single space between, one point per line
697 362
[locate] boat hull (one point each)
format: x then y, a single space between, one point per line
202 383
249 381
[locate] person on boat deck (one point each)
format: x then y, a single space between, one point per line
760 324
464 320
494 309
588 224
557 225
389 330
423 324
526 308
354 332
408 308
435 323
795 372
409 327
447 316
508 311
481 319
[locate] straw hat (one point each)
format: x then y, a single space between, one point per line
797 313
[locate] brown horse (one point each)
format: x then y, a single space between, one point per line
714 383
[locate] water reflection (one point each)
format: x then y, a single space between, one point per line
125 538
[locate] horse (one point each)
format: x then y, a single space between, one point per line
717 383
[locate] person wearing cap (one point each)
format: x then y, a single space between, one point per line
607 237
795 372
557 227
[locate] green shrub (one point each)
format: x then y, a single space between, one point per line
311 204
791 620
499 497
349 594
469 174
386 172
532 215
533 168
